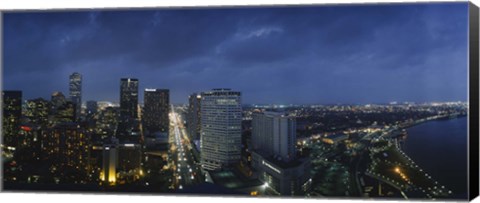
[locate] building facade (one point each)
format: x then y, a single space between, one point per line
12 111
121 163
274 155
107 122
156 108
283 178
275 134
109 164
128 122
129 98
221 117
65 113
68 145
75 88
193 116
37 111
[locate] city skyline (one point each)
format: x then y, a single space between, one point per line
316 101
414 56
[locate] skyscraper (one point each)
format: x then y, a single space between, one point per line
107 122
68 144
129 98
274 133
221 119
76 92
128 126
12 111
156 108
193 116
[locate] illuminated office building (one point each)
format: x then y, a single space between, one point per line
128 124
221 118
37 111
193 116
65 113
107 122
12 111
156 108
68 145
129 98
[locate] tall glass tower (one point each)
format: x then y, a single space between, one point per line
128 123
129 98
76 92
193 116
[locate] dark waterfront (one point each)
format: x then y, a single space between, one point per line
440 148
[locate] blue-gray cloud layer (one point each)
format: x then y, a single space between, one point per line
325 54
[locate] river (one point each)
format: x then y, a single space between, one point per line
440 148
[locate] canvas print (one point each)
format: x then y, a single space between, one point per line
321 101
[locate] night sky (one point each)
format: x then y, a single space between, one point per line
303 55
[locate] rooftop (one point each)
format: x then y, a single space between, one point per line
233 180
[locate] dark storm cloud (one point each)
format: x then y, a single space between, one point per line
329 54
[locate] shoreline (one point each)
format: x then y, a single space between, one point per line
427 120
432 167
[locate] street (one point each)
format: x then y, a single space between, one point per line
187 172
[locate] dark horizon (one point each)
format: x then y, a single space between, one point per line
377 53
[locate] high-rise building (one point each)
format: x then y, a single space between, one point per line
155 114
107 122
12 111
275 134
75 88
193 116
274 155
129 98
68 145
37 111
127 130
221 119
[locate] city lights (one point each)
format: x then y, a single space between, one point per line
265 102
